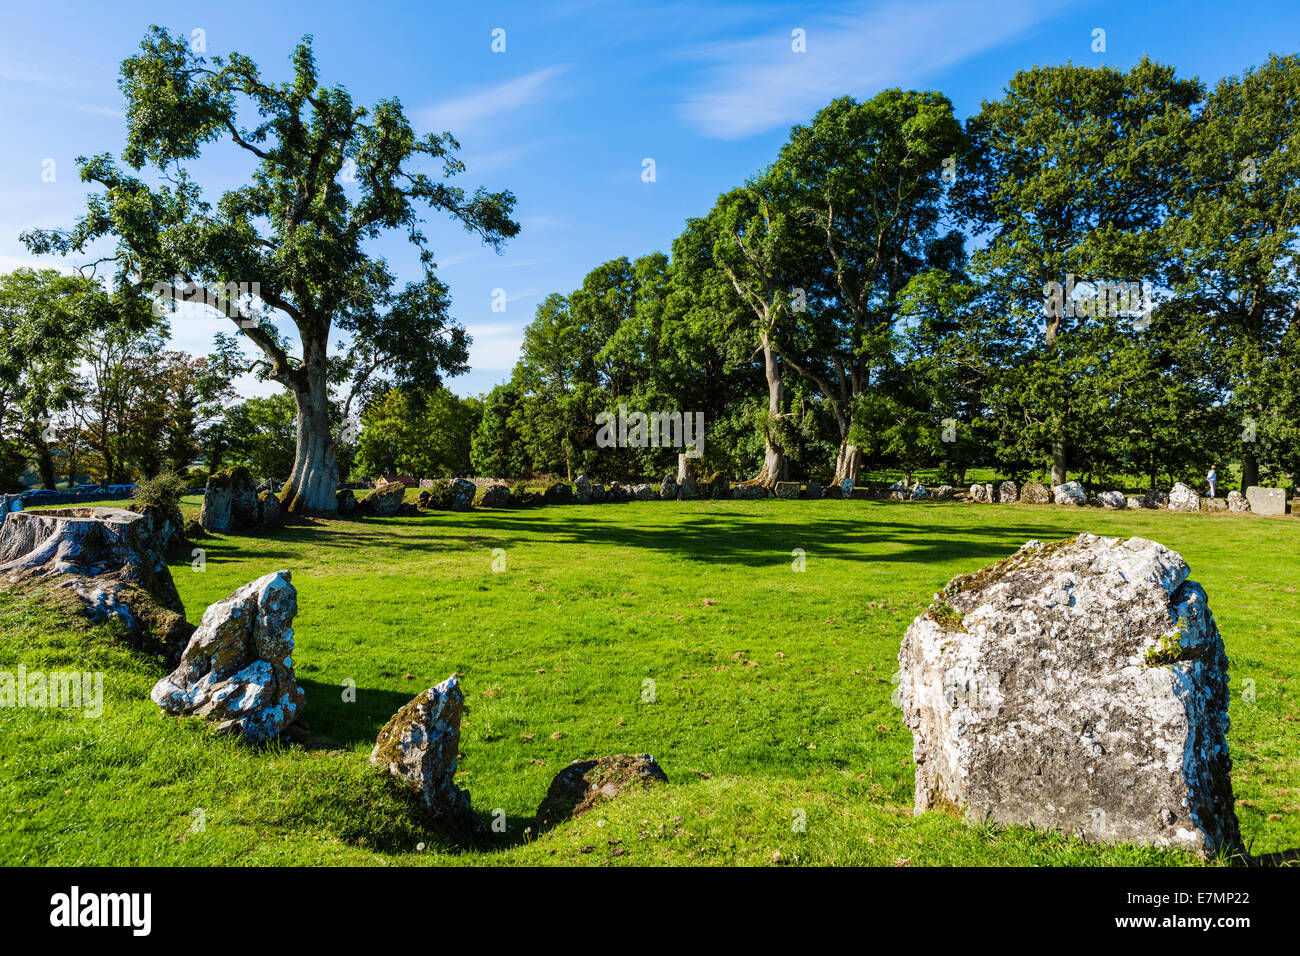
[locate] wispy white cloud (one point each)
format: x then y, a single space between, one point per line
761 84
475 110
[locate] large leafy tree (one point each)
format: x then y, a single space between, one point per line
1071 174
292 228
867 178
1234 255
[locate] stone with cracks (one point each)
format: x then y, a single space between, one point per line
1114 500
1184 498
110 558
237 669
1007 491
1081 687
748 492
1035 493
462 494
582 490
686 489
643 492
419 746
1237 501
943 493
1070 493
585 783
846 488
668 487
919 492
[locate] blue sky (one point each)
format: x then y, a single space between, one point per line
584 92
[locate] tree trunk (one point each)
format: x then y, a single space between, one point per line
1058 463
45 461
774 464
1249 470
312 486
848 462
684 468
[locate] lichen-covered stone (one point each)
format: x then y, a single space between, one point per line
1070 493
1080 686
345 500
918 492
110 558
687 489
813 491
1114 500
643 492
1237 501
419 746
462 494
943 493
384 500
269 507
788 490
1184 498
585 783
668 487
1008 492
237 669
846 488
1035 493
748 492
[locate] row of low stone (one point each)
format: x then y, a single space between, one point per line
1182 497
236 669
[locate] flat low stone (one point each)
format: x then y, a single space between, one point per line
1081 687
1267 501
788 490
419 746
1214 504
748 492
584 784
237 669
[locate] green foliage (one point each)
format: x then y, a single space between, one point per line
423 435
163 491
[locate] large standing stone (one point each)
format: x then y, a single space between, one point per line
215 515
237 668
918 492
419 746
813 491
582 490
167 528
462 494
1070 493
1035 493
1008 492
686 489
668 487
583 784
1237 501
346 501
110 558
1266 501
1080 686
1184 498
846 488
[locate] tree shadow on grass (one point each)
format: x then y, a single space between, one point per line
350 723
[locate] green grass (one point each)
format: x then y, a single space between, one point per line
772 688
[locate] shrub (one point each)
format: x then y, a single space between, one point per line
163 492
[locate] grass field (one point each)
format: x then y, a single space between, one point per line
771 688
